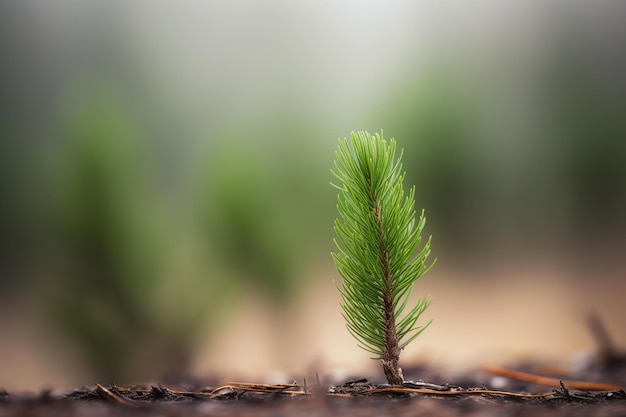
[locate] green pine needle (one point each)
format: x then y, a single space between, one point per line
377 237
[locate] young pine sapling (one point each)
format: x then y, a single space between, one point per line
377 237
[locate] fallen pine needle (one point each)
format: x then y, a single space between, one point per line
551 382
261 388
458 392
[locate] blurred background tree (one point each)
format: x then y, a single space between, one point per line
116 252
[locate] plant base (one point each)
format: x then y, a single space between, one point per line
393 372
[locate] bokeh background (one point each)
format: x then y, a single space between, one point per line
164 180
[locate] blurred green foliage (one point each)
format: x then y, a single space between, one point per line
116 249
263 211
439 128
589 111
487 187
138 272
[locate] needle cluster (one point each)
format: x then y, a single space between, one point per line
377 237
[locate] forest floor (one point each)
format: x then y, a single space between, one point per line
594 387
597 390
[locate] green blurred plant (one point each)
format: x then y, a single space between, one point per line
376 240
114 292
250 211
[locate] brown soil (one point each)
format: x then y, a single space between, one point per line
493 391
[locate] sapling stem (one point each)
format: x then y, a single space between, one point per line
377 236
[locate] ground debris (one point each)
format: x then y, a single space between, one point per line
134 395
355 397
488 391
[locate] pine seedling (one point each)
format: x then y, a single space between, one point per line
377 237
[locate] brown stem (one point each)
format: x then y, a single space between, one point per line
391 352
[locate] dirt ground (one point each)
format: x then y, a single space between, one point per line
527 390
